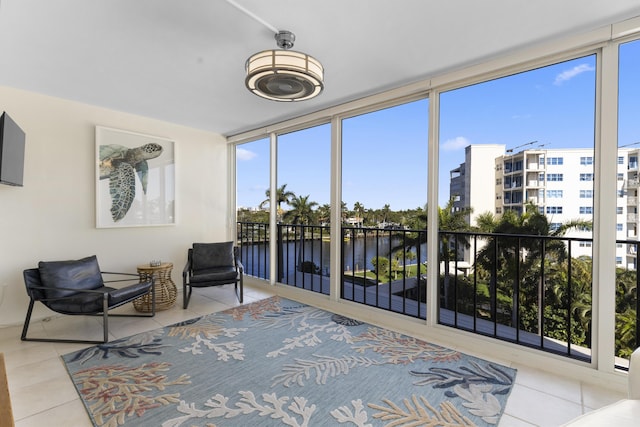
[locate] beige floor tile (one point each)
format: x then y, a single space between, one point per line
509 421
224 293
37 372
202 305
10 337
565 388
126 309
29 353
74 327
66 348
38 397
177 314
596 397
121 327
258 293
539 408
71 414
8 332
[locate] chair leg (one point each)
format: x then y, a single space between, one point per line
241 295
105 325
153 297
23 337
27 320
105 317
186 295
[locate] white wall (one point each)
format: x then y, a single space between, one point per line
53 216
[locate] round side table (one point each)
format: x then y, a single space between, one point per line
165 289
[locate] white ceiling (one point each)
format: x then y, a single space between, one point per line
182 61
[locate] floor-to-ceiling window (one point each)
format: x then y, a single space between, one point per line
384 197
516 159
303 197
627 230
252 205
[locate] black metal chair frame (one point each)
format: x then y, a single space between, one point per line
33 275
187 273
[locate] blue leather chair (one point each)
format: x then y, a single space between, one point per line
212 264
77 287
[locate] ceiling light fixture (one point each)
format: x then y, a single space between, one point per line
283 74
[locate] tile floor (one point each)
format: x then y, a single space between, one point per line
43 394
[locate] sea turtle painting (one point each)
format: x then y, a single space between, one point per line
120 164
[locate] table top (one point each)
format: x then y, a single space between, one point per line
155 267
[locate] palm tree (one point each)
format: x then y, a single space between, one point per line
324 213
486 222
386 209
301 213
567 302
626 316
344 211
501 256
358 209
282 196
301 210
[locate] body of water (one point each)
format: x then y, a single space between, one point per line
358 253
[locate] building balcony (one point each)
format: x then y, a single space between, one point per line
513 185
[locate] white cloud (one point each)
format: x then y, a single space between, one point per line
242 154
569 74
457 143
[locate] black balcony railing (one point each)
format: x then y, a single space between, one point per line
385 268
525 289
253 238
535 291
303 256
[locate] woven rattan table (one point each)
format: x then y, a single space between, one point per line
165 288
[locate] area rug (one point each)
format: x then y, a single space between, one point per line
278 362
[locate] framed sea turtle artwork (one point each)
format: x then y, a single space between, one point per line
135 179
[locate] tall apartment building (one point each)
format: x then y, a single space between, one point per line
560 182
470 184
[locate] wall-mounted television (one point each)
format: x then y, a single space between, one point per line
11 151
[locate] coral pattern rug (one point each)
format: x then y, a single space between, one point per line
278 362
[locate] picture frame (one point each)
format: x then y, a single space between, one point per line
135 179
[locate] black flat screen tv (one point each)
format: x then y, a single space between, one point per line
11 152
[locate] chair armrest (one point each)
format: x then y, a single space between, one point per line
131 276
240 267
121 274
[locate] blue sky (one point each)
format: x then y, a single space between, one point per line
385 152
